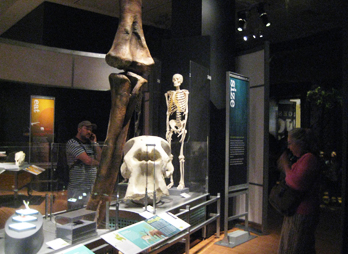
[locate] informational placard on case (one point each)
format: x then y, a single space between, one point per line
145 234
237 106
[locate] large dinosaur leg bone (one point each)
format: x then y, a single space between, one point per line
130 53
124 99
129 50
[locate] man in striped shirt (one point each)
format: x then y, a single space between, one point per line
83 156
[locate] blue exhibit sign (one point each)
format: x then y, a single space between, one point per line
237 107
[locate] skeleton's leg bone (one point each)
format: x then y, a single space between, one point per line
182 172
169 139
182 162
111 158
129 50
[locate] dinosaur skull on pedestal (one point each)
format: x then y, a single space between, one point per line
146 163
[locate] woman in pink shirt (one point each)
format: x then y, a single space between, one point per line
298 231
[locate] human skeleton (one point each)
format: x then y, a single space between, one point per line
177 102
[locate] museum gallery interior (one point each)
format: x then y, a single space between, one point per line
170 115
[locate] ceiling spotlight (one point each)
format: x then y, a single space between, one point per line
245 37
242 23
260 34
263 15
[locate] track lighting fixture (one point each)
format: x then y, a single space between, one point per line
260 34
263 15
242 22
252 17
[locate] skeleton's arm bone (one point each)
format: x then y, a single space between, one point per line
184 121
167 95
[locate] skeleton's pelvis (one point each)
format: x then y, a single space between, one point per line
146 164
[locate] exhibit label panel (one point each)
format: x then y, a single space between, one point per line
41 127
143 235
42 116
237 107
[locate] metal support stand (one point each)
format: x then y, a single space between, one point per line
117 212
147 173
238 237
46 206
107 215
218 205
51 206
187 238
154 178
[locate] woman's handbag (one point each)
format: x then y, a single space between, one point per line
285 199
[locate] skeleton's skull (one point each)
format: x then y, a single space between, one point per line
177 80
146 163
19 158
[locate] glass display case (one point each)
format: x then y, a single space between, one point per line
42 183
20 175
47 179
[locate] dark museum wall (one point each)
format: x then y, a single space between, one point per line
71 107
301 65
344 218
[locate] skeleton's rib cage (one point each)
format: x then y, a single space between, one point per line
177 101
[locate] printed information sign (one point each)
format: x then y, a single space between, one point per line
142 235
237 128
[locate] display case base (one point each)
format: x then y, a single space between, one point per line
177 192
236 238
73 232
75 226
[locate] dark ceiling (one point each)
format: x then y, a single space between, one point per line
291 19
